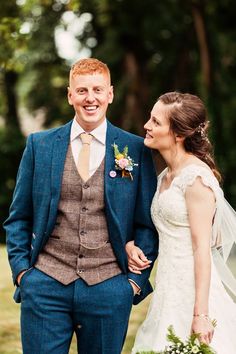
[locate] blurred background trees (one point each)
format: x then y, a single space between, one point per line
150 46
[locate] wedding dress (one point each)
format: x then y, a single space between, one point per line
172 302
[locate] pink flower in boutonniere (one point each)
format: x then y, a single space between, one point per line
123 162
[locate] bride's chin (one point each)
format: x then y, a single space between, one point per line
146 142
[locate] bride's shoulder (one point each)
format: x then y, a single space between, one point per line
195 170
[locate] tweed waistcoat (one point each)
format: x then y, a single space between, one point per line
79 245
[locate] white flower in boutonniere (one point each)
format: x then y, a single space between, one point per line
123 161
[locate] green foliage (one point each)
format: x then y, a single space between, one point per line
13 44
191 346
11 147
116 150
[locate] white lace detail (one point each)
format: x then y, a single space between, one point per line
173 297
191 172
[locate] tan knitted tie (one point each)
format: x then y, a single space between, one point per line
83 160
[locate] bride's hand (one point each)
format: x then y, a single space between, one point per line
137 261
203 326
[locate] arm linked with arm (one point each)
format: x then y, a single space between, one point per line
145 234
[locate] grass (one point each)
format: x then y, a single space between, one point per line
9 319
10 315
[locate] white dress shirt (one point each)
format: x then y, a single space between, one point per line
97 147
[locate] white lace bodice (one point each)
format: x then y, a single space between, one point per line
168 209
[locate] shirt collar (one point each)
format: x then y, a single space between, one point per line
98 133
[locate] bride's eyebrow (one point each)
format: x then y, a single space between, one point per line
152 115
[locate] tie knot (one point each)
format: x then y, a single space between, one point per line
86 138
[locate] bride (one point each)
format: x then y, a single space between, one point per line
196 228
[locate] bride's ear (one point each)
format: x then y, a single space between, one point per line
179 139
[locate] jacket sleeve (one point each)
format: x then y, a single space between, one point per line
18 225
145 234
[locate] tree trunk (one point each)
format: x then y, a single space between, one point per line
136 113
200 27
209 83
11 118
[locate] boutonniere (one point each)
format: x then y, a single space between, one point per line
124 162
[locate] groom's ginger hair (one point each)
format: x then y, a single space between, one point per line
89 66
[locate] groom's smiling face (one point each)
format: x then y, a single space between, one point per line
158 133
90 95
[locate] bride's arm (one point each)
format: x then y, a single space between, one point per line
200 202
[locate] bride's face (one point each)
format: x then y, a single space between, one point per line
158 133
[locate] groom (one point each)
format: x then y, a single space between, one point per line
79 198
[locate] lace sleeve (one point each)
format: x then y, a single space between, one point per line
188 177
191 172
224 224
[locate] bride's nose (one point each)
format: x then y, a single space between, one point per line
147 125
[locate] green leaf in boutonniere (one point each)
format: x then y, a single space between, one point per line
123 161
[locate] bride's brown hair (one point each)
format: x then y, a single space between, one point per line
188 119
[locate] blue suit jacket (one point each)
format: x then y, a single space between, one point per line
33 210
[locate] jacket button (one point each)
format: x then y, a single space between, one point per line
84 209
85 186
81 256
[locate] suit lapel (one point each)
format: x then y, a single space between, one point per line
109 188
111 137
59 151
58 157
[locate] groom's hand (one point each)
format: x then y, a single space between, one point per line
18 279
137 261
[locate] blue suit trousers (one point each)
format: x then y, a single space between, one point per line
51 312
